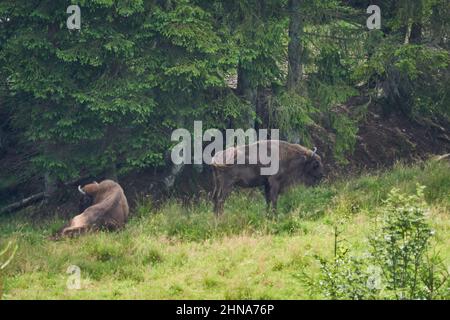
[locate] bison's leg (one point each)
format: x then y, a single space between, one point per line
273 193
57 235
77 226
217 188
214 182
223 191
74 231
267 195
219 191
218 207
219 200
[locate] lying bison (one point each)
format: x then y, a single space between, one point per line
296 164
103 206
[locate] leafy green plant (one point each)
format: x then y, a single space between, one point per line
399 264
346 133
347 277
401 246
291 113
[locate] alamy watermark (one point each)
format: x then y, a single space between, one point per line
257 153
374 21
74 279
74 20
374 281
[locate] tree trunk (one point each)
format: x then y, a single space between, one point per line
263 109
249 92
111 172
2 138
49 185
49 179
415 36
169 180
408 28
295 48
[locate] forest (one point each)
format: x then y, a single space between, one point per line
96 93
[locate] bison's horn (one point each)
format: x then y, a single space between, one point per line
81 191
314 152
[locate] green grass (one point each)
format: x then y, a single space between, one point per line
186 253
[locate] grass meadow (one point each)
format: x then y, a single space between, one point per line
178 252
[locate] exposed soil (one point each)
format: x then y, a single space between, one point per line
383 140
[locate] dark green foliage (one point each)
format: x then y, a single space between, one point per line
104 100
113 91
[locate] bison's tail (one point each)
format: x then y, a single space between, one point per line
214 180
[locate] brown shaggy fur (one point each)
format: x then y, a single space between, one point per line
109 210
296 164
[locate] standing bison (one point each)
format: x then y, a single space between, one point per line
296 164
103 205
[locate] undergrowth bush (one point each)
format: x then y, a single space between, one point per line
399 263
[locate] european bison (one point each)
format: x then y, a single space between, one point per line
105 207
296 164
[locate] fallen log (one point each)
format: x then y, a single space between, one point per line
38 196
442 157
22 203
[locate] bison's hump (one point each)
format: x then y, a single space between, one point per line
225 157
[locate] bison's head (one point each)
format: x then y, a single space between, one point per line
87 196
85 202
313 168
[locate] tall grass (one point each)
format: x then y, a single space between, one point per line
245 211
186 252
